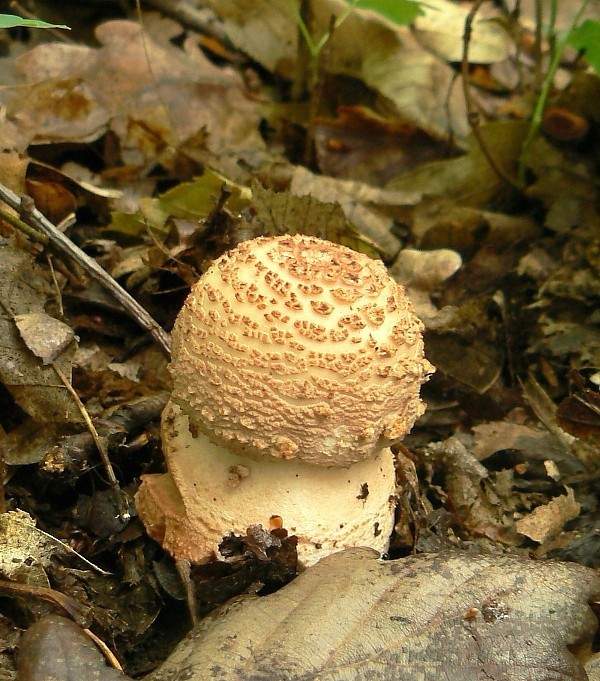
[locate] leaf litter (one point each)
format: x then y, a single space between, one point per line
157 170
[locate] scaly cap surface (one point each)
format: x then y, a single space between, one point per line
295 347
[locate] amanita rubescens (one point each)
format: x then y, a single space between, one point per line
296 362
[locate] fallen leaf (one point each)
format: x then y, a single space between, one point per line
425 270
468 179
283 213
451 615
546 521
442 25
36 388
22 544
45 336
189 200
152 95
473 363
362 204
57 649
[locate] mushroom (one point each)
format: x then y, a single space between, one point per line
296 363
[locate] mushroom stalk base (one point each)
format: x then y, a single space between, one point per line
210 492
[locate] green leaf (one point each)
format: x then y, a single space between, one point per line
398 11
587 38
192 201
13 21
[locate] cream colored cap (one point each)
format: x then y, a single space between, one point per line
295 347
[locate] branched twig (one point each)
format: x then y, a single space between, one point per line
472 112
35 219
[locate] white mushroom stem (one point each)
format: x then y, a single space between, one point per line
210 492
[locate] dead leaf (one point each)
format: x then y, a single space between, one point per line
425 270
546 521
473 363
191 201
362 204
442 25
57 649
36 388
451 615
76 93
45 336
22 544
361 144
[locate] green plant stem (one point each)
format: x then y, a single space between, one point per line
557 52
23 227
315 47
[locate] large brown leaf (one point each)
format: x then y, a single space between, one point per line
424 618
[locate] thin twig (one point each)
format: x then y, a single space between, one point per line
71 550
472 112
111 658
203 20
119 498
37 220
183 569
59 300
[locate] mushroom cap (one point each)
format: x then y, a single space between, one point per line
210 492
295 347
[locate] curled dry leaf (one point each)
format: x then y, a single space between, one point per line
56 648
428 617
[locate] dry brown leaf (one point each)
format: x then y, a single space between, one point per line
423 618
359 202
76 93
441 27
284 213
45 336
36 388
547 521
